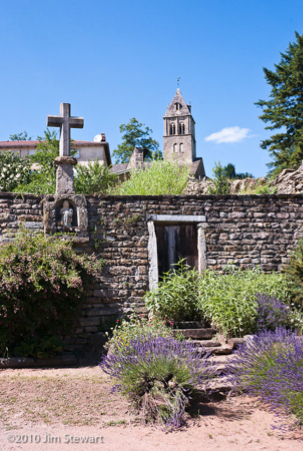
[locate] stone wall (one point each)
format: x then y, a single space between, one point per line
245 230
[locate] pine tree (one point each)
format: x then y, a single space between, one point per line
284 109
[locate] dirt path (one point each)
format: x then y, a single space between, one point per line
53 406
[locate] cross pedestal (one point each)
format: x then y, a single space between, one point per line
65 162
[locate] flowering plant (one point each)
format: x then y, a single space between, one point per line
272 313
134 326
159 375
270 365
42 285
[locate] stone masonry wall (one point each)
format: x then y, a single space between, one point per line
245 230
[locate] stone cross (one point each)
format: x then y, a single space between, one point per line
65 121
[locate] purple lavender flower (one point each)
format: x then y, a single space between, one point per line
159 374
271 313
270 365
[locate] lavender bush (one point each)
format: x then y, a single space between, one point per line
270 365
159 375
271 313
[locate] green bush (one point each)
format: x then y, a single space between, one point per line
42 284
293 270
176 297
220 181
94 178
161 177
134 326
41 347
229 300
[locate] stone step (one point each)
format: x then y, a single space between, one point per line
206 343
202 334
192 325
220 350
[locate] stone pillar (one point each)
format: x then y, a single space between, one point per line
65 175
202 260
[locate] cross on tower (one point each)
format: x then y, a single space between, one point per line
65 121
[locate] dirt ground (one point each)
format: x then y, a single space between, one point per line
74 409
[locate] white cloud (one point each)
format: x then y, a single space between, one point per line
229 135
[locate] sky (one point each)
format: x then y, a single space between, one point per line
116 59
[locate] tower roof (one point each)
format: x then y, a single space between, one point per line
173 111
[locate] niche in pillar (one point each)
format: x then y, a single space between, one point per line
67 214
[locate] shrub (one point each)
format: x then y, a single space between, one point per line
41 286
41 347
158 374
229 300
220 180
270 365
293 270
272 313
161 177
176 297
14 170
134 326
94 178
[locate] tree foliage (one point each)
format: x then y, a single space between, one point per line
220 181
43 176
284 109
23 136
14 170
94 178
230 172
42 282
134 135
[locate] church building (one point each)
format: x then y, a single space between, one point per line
179 141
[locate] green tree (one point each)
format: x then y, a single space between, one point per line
43 176
284 109
220 181
23 136
94 178
136 136
230 172
14 170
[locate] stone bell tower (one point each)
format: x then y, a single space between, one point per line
179 131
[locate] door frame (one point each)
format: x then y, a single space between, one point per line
153 220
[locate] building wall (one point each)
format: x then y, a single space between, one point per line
245 230
184 157
86 153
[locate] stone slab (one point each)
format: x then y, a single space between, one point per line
197 333
176 218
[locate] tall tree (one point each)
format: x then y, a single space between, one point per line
136 136
284 109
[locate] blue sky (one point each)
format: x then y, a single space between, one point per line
114 60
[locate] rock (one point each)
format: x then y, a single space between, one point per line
289 181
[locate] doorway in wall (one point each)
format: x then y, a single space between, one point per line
175 242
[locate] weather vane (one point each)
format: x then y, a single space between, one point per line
178 79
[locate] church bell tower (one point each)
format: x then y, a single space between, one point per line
179 131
